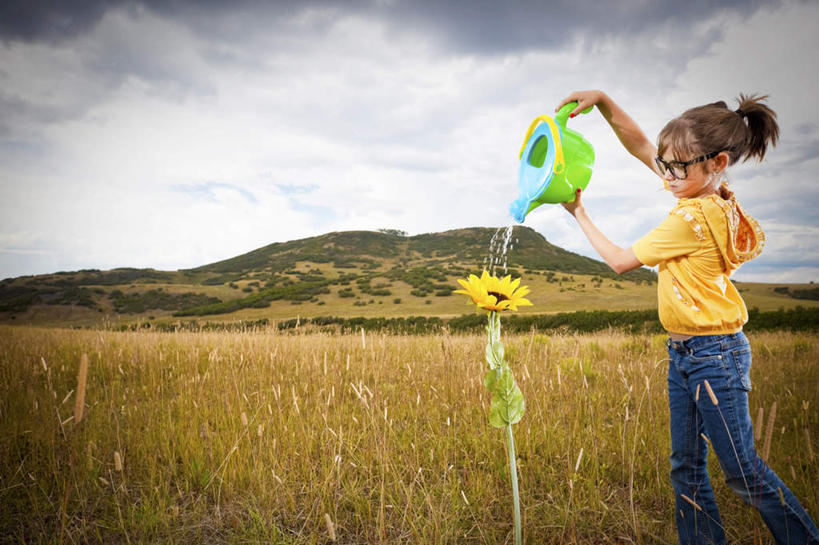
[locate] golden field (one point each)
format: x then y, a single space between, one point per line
301 438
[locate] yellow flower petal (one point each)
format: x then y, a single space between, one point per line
488 292
522 292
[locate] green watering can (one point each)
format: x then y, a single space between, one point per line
554 162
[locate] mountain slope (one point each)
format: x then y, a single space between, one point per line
366 248
341 270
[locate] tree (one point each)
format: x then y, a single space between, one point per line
393 232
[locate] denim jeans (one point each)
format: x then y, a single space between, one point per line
725 362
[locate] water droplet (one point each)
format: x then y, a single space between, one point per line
499 246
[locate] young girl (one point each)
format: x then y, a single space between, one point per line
705 237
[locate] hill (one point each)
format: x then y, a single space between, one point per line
370 249
350 273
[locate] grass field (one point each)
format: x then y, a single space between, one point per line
259 437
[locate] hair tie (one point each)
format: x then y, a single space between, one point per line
740 112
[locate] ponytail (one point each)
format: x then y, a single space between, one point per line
743 133
762 126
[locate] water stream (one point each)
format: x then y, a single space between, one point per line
499 246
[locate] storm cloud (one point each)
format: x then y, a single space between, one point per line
477 26
171 134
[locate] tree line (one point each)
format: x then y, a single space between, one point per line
632 321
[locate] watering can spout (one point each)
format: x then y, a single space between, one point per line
519 208
554 162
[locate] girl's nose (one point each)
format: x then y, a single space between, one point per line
668 176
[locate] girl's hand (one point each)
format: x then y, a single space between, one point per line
628 132
575 206
584 99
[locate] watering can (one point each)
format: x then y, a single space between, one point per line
554 163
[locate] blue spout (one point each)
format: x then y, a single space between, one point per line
519 208
537 160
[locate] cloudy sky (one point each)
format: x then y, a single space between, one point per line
170 135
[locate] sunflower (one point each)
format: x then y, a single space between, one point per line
495 294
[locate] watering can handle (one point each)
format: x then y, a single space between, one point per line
560 162
563 114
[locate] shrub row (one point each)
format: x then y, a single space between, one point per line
583 321
807 293
296 292
193 325
633 321
19 298
410 325
135 303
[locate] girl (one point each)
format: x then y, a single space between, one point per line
705 237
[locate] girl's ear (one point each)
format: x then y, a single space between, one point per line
720 162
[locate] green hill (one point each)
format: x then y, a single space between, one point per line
370 249
352 273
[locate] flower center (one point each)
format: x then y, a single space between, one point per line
499 296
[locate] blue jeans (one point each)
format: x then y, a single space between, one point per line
724 361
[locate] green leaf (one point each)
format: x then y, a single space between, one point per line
490 356
517 406
507 406
494 355
491 378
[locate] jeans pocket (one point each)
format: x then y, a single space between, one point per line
742 362
708 353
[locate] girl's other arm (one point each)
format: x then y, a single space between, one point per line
628 132
621 260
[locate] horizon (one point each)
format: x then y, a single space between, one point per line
380 231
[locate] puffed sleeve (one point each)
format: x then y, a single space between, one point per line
672 238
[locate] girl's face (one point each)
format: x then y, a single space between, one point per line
699 181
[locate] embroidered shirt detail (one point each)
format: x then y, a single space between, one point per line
676 287
746 238
745 244
692 222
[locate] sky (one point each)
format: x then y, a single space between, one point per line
174 134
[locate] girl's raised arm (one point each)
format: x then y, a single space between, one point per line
620 260
628 132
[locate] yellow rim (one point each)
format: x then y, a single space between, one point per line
560 163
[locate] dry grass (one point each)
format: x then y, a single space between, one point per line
261 437
82 377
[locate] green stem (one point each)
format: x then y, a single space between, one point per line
513 472
491 327
494 330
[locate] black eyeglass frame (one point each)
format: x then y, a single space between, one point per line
670 165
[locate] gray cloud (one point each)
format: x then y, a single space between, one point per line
487 26
42 20
233 34
481 26
805 150
16 109
360 115
780 271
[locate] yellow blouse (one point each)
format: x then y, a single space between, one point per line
697 247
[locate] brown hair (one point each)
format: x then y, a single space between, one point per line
743 133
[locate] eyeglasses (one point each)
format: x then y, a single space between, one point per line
679 169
